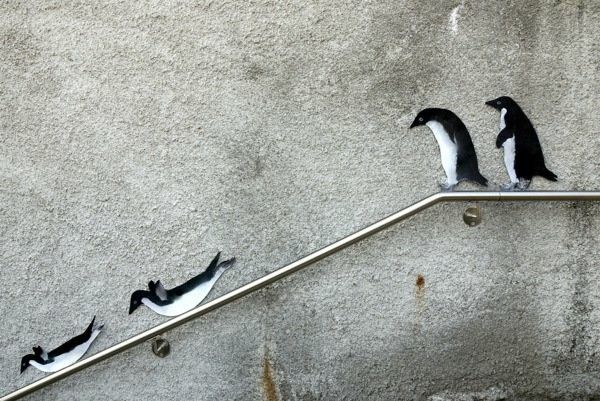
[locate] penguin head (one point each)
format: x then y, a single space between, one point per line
136 300
424 117
503 102
25 361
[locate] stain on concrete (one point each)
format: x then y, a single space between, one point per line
19 47
420 284
248 156
420 302
269 386
254 71
579 4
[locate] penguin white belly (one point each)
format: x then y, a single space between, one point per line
184 303
509 159
509 151
448 150
67 359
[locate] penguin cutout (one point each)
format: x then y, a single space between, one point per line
183 298
63 356
459 159
523 155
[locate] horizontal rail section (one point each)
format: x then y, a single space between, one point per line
294 267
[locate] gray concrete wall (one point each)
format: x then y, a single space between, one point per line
138 138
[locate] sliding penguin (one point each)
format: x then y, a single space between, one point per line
456 148
63 356
180 299
523 155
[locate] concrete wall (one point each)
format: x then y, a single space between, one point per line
138 138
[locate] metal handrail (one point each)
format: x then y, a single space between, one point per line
294 267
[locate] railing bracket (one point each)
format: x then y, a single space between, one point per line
161 347
472 216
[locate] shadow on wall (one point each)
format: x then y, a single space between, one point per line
470 355
463 354
579 355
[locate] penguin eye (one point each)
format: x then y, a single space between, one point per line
420 118
498 102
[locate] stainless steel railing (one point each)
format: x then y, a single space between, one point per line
294 267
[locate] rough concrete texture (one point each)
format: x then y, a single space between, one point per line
138 138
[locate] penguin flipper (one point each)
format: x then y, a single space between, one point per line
39 351
160 291
503 136
157 289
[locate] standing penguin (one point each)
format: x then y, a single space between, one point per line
523 155
459 159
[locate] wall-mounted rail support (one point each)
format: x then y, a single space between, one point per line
295 266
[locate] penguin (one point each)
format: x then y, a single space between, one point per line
183 298
523 155
63 356
459 159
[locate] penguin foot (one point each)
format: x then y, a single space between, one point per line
523 184
511 186
445 187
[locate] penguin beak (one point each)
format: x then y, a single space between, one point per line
491 103
415 123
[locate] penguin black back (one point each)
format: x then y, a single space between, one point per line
203 277
73 342
529 158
